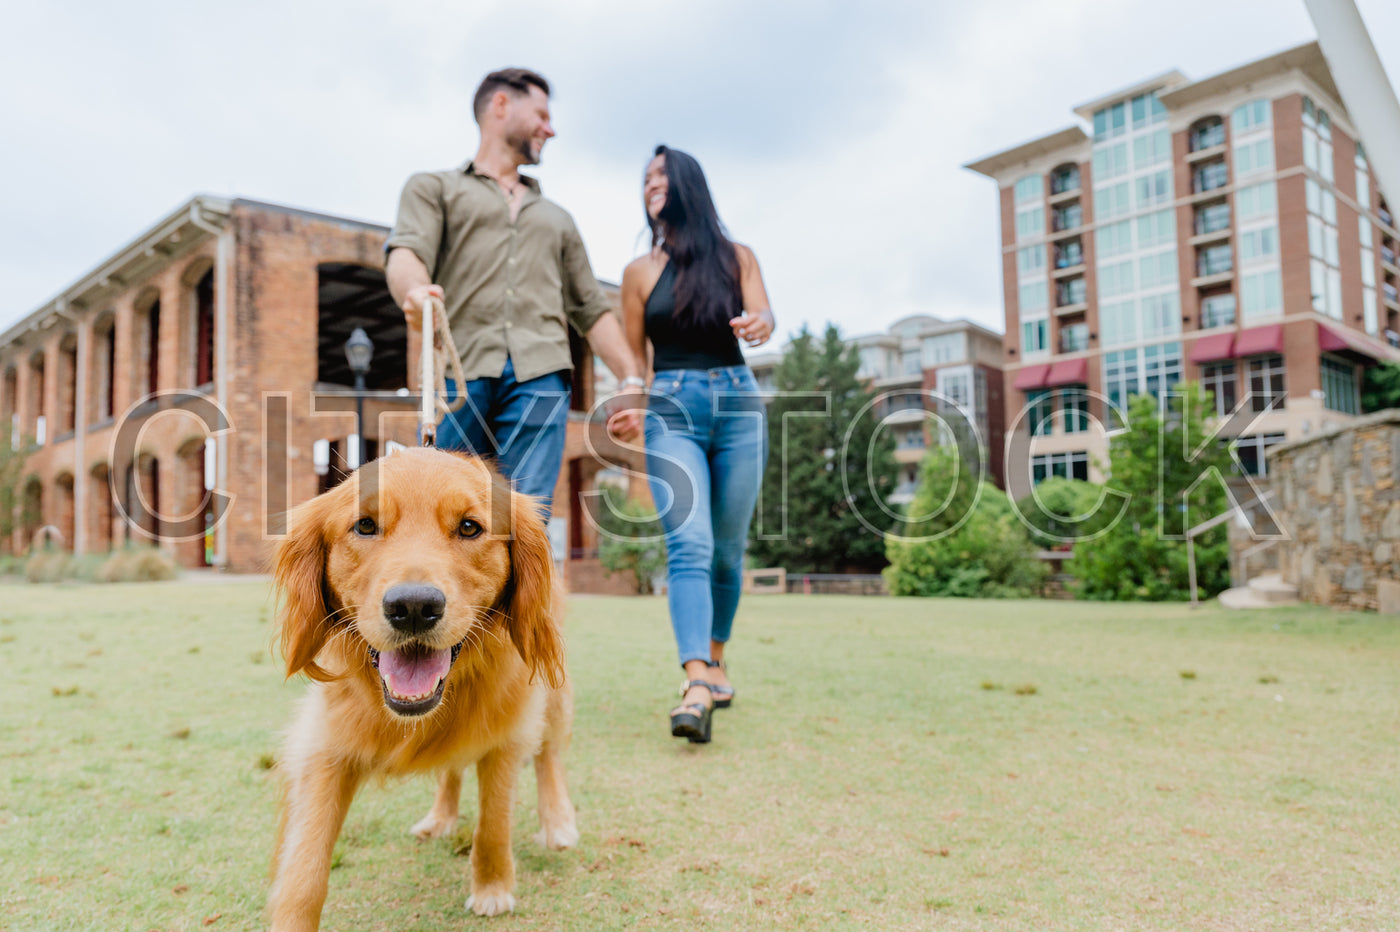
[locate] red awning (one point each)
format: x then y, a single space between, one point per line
1032 377
1259 340
1213 347
1068 372
1342 340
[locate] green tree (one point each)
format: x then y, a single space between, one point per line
961 539
1061 511
806 503
1380 387
630 539
1143 556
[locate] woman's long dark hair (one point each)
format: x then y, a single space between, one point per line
688 229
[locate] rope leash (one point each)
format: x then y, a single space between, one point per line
434 356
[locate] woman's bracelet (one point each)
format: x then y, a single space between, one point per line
634 381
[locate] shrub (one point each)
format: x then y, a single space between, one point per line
1061 501
137 564
989 555
630 539
46 565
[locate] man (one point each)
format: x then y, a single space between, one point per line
512 271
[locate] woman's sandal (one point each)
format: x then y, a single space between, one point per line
692 720
724 695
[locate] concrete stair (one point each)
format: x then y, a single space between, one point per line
1266 591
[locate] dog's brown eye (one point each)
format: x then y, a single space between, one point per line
365 527
469 528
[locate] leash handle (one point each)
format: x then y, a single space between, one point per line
427 412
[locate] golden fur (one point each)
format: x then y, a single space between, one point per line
505 698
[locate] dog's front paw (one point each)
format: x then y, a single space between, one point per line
432 826
491 901
558 837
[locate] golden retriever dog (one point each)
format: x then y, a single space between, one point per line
419 596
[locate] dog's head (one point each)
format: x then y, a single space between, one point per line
412 559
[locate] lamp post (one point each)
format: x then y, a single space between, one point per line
359 350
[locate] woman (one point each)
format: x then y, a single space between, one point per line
694 296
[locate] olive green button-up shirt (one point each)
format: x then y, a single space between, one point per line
511 289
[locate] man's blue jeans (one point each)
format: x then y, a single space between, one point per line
706 447
520 425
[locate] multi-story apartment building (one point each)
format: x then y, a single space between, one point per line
1226 230
924 370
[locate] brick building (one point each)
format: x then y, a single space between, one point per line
206 359
1226 230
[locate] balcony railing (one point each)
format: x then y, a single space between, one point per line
1388 255
1208 137
1071 292
1218 314
1390 292
1067 218
1070 255
1064 182
1212 262
1385 216
1209 177
1212 219
1074 339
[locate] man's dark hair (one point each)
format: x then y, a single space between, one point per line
514 80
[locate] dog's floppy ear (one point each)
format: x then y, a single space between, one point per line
299 572
531 605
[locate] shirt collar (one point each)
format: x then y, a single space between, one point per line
469 168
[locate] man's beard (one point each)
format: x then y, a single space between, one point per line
525 146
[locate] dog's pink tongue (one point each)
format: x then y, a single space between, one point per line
414 672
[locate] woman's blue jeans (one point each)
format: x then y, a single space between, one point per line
707 444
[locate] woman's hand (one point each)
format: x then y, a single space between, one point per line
754 328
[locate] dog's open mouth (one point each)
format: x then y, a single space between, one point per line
414 675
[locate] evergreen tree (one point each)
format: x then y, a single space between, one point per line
809 519
1380 387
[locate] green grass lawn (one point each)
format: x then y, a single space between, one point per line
887 764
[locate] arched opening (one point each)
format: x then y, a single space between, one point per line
350 296
37 428
1064 178
9 406
64 518
31 511
1206 133
195 510
101 509
104 367
143 498
66 384
147 361
196 361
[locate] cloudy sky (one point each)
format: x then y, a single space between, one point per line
832 134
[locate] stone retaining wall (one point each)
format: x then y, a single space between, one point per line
1339 507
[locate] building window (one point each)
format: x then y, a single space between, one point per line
1324 249
1028 189
1111 161
1214 260
1030 260
911 362
1034 296
1074 338
1115 239
1266 384
1207 134
1035 337
944 348
1252 157
1152 149
1157 270
1110 121
1340 387
1113 200
1074 409
1074 465
1154 189
1219 380
1069 254
1251 452
1256 201
1209 176
1115 279
1258 245
1071 292
1250 118
1212 218
1317 140
1030 223
1161 315
1218 310
1156 229
1148 370
1063 179
1042 411
1262 294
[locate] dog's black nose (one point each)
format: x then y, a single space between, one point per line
414 607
